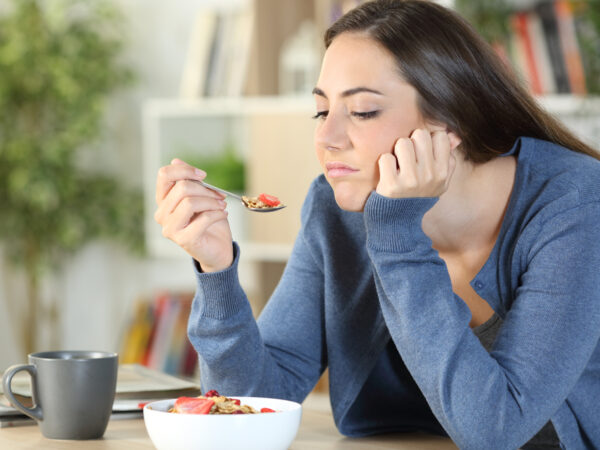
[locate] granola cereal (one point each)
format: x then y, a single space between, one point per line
213 403
263 201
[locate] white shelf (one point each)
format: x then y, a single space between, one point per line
570 105
256 251
211 123
161 108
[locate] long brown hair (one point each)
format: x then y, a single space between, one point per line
460 79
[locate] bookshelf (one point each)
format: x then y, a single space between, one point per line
156 335
553 45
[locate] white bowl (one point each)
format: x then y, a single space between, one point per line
265 431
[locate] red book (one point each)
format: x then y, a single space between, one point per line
159 307
520 24
543 62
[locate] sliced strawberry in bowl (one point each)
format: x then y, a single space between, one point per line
267 410
193 405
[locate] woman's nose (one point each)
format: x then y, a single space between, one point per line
331 133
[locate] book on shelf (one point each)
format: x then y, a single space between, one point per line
570 46
215 67
544 50
545 11
198 55
540 49
239 52
156 336
218 54
167 310
523 50
136 385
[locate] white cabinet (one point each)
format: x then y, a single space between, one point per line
580 114
274 137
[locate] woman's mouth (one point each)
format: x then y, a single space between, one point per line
338 169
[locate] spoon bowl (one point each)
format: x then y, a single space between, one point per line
241 199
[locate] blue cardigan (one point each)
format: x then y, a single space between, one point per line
356 279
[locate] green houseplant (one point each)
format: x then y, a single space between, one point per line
58 64
489 17
224 169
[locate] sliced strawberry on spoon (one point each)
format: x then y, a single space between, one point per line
269 200
192 405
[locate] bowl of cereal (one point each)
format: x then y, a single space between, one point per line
217 422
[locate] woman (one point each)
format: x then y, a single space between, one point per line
446 267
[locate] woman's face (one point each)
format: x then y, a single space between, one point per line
363 107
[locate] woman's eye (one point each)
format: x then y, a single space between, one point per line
365 115
320 115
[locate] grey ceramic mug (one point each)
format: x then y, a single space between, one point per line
73 392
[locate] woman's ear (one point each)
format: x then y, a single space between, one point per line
455 141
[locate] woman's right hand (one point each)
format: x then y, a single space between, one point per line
193 216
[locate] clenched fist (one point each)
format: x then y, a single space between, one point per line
420 166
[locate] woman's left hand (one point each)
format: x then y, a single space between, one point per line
420 165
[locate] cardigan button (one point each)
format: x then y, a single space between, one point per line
478 285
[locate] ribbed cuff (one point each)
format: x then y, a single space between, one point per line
394 224
219 293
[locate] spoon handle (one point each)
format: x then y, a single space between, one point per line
222 191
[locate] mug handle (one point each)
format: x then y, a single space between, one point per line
36 411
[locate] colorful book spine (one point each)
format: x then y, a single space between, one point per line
544 48
193 80
138 333
545 11
570 47
527 58
164 335
156 337
516 50
540 52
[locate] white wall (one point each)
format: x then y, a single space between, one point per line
10 351
158 33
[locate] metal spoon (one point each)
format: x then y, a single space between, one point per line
241 199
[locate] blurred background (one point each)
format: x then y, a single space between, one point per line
96 96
